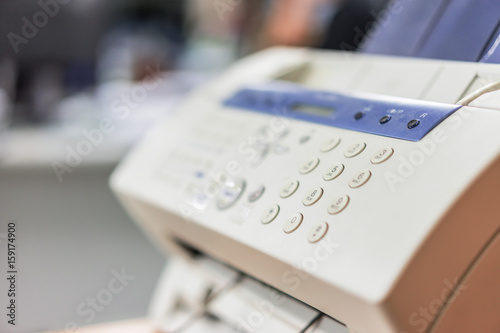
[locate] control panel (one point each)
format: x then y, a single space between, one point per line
377 114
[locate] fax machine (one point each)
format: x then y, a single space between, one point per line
319 191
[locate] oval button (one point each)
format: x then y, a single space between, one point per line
381 155
333 172
270 214
289 188
338 204
256 194
230 193
355 149
309 165
313 196
360 178
261 153
293 223
330 144
317 232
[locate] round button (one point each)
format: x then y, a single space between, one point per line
230 193
304 139
293 223
309 165
330 144
289 188
270 214
355 149
413 123
381 155
385 119
338 204
360 178
282 134
317 232
257 193
261 151
333 172
358 115
313 196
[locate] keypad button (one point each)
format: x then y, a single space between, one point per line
282 134
261 152
317 232
382 155
309 165
338 204
359 115
355 149
270 214
256 194
289 188
330 144
333 171
360 178
413 123
385 119
313 196
305 138
293 223
230 193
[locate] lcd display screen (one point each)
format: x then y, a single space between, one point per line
316 110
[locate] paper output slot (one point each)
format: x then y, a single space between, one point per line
251 306
326 324
185 289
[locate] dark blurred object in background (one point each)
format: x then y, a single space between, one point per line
60 55
66 47
351 24
329 24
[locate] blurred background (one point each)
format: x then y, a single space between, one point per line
82 80
53 49
65 66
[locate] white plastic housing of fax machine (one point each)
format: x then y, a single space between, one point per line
355 184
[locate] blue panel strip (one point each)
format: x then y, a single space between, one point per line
357 112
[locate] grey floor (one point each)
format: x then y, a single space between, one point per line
71 237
